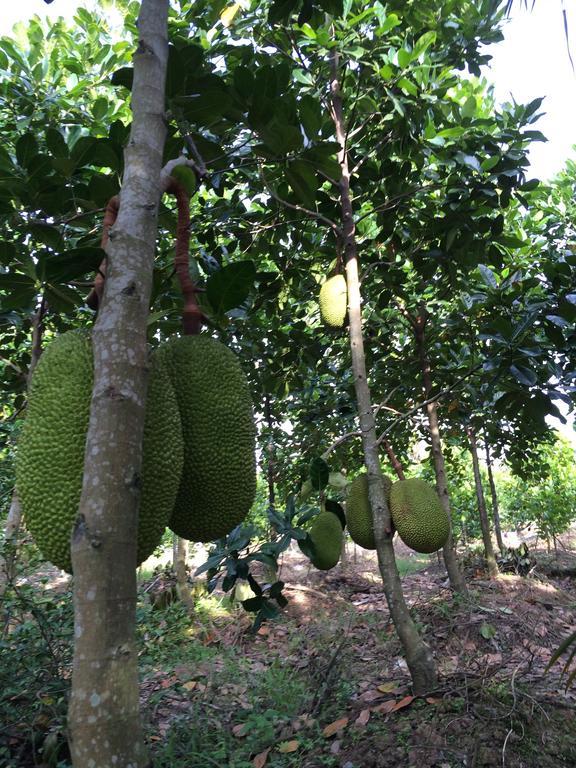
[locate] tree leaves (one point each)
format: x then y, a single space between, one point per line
230 286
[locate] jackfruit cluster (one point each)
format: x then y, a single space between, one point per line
50 457
359 513
333 301
219 474
326 535
420 519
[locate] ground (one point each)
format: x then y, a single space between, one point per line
326 685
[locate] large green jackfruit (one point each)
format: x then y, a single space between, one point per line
50 457
219 477
333 301
419 517
359 512
326 535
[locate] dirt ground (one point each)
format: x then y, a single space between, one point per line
326 686
495 705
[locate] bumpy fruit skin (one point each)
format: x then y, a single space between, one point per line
50 457
418 515
359 512
219 477
326 535
333 301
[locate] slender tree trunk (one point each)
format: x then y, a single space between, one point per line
182 585
494 497
457 581
175 540
418 655
271 454
484 522
344 552
14 519
396 465
104 716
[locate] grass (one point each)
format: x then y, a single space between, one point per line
412 564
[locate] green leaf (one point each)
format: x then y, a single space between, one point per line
423 43
524 375
319 473
302 179
310 113
71 264
56 143
230 286
487 631
490 162
404 58
468 109
26 149
488 276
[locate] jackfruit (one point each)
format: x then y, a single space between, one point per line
333 301
219 476
50 456
359 512
326 535
419 517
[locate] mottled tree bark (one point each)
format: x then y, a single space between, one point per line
484 522
182 584
104 718
457 581
418 655
494 497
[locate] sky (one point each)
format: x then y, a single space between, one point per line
532 61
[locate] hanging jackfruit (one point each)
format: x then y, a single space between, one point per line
333 301
219 476
50 456
359 512
326 535
418 514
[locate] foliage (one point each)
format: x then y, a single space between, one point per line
35 664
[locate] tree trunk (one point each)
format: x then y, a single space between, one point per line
457 581
484 522
14 519
396 466
182 584
494 497
418 655
344 552
271 454
104 716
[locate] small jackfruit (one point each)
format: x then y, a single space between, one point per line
359 512
333 301
326 535
219 476
419 517
50 456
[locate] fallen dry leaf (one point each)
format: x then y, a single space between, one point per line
239 730
289 746
404 702
190 685
432 700
260 759
334 727
385 707
335 746
388 687
363 717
